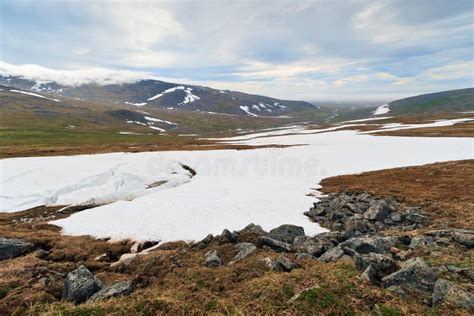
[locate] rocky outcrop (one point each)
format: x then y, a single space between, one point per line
286 233
273 244
449 292
113 290
213 259
281 264
12 248
414 273
80 285
245 249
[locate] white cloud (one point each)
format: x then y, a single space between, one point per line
99 76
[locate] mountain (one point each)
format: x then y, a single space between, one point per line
447 101
159 94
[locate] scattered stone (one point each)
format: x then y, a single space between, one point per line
12 248
80 285
414 215
375 266
415 274
303 255
282 264
332 255
443 242
370 244
245 249
452 293
228 237
359 226
114 290
421 242
212 259
253 229
464 239
394 250
274 244
41 254
286 233
203 243
305 244
142 245
397 290
378 211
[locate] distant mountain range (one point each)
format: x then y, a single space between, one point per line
160 94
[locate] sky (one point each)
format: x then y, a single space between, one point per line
309 50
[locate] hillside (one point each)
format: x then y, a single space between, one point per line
165 95
447 101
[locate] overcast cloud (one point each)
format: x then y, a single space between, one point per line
334 49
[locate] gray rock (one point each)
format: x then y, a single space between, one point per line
253 229
421 242
332 255
41 254
369 244
12 248
274 244
286 233
443 242
308 245
414 215
394 218
415 274
80 285
203 243
303 255
283 264
228 237
212 259
452 293
464 239
378 211
113 290
375 266
245 249
357 225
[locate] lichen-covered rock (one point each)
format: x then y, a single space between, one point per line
375 266
286 233
332 255
274 244
213 259
368 244
378 211
421 242
245 249
113 290
305 244
415 274
282 264
80 285
228 237
464 239
12 248
455 294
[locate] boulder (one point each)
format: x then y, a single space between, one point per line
41 254
245 249
414 215
139 246
286 233
421 242
375 266
113 290
305 244
253 229
464 239
274 244
452 293
228 237
203 243
368 244
359 226
212 259
12 248
415 274
282 264
80 285
378 211
332 255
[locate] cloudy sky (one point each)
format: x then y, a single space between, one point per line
332 49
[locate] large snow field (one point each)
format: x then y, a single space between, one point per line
267 186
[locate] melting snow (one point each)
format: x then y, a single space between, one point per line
245 108
190 97
383 109
34 95
136 104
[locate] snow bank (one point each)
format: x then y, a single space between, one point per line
231 189
383 109
34 95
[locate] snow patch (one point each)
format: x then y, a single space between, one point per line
34 95
246 109
136 104
383 109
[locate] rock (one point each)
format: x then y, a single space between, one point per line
212 259
415 274
414 215
142 245
12 248
283 264
369 244
253 229
375 266
378 211
357 225
443 242
245 249
286 233
125 259
464 239
394 218
41 254
79 285
332 255
303 255
103 257
397 290
449 292
114 290
203 243
307 245
421 242
274 244
228 237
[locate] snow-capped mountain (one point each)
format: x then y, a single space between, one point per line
159 94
